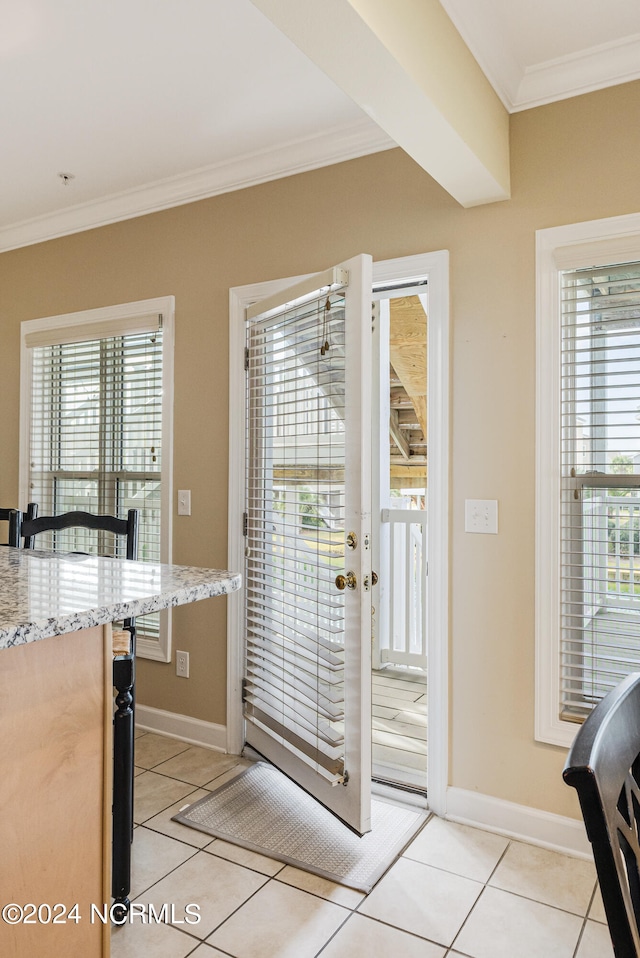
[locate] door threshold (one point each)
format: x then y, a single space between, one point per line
402 794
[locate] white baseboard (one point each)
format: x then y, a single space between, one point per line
192 730
526 824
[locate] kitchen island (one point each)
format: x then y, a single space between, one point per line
56 717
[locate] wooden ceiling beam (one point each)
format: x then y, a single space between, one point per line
408 351
411 463
400 440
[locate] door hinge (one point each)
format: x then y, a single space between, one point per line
245 523
246 357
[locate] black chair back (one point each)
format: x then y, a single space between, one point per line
14 518
128 527
603 766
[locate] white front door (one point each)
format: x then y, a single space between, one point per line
307 575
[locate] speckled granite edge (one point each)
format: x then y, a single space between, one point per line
173 585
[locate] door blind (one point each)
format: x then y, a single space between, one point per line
600 509
294 683
96 435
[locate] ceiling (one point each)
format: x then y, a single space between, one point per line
153 103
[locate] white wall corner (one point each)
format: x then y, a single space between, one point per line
555 832
481 28
185 727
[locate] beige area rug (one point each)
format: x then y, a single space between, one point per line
263 810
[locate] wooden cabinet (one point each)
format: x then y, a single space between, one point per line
55 792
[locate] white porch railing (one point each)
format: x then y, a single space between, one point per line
403 594
612 552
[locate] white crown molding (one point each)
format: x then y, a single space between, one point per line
522 88
603 66
298 156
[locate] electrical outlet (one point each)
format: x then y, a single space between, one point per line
182 664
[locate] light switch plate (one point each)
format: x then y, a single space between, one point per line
481 515
184 502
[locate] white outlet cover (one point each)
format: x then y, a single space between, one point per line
184 502
182 664
481 515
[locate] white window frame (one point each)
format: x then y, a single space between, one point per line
160 649
592 243
435 266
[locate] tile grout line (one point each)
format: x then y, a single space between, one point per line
338 929
248 867
157 831
236 910
180 781
164 807
171 870
586 918
484 888
405 931
200 941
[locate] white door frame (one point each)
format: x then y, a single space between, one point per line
435 266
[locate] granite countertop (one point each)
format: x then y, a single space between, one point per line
44 594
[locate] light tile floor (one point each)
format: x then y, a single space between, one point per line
456 891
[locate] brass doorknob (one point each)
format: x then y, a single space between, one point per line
348 580
374 577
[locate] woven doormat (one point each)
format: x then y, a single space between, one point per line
263 810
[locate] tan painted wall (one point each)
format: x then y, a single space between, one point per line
572 161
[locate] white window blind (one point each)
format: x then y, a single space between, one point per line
96 435
294 682
600 508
